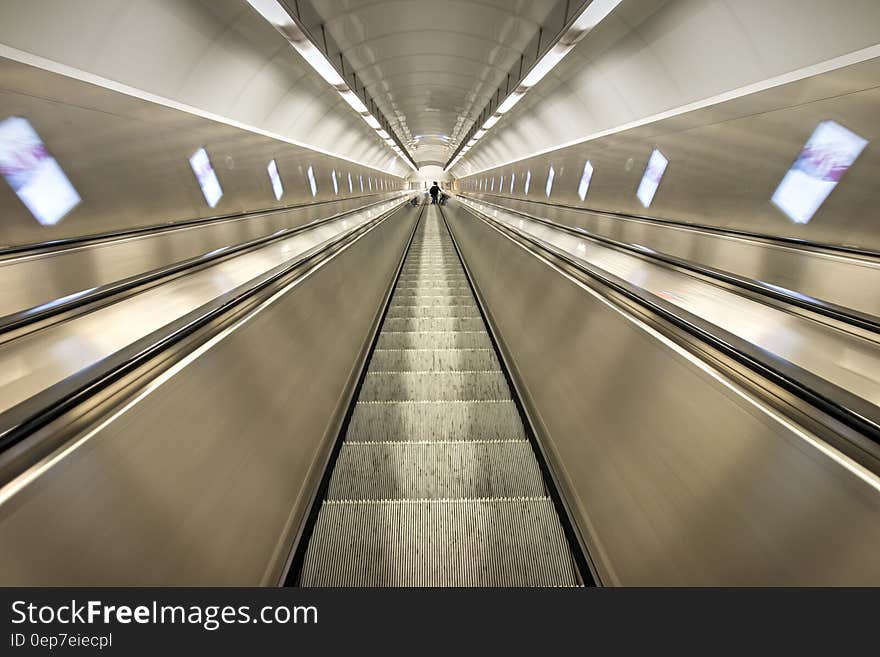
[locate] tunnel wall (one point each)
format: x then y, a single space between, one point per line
725 162
661 75
219 56
128 159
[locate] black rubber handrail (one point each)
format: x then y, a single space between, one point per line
20 421
840 404
39 248
818 306
701 228
71 302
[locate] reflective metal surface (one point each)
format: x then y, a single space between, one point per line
30 280
41 359
725 161
847 280
205 476
845 359
128 159
673 474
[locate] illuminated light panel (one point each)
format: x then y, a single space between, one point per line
512 181
201 166
313 185
528 182
589 18
335 183
551 174
654 171
350 185
492 120
34 175
829 152
509 102
273 12
362 183
584 184
275 179
354 101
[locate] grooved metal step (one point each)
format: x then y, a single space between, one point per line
447 420
433 386
433 311
434 340
433 324
435 470
488 542
435 360
434 300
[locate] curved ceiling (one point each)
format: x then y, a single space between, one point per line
431 66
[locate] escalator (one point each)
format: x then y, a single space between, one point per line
436 482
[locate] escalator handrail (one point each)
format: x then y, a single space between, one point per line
818 306
842 405
775 240
23 419
23 318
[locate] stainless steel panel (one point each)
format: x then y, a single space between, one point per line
204 479
849 359
128 160
673 474
848 280
726 160
27 281
39 359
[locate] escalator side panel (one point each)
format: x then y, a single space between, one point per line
671 475
207 479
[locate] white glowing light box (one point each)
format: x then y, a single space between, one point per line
201 166
275 179
313 184
823 160
651 178
584 184
34 175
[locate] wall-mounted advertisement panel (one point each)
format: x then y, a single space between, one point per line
313 184
201 166
584 184
823 160
651 178
34 175
275 179
548 187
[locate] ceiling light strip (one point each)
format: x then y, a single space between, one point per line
586 21
278 17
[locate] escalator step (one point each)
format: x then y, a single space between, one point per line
438 340
433 360
433 324
435 470
434 386
449 420
434 311
474 542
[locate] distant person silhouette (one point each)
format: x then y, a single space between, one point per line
435 192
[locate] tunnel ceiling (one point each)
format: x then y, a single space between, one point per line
431 66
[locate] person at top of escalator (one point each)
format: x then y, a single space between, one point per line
435 192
